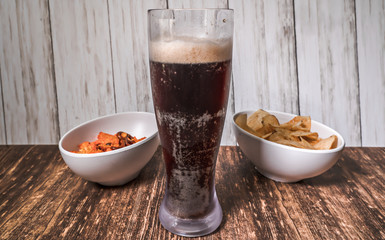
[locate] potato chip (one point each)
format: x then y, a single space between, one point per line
279 134
267 135
241 122
309 136
262 123
259 119
302 123
295 133
306 144
289 143
327 143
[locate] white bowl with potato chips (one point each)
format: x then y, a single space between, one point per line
285 147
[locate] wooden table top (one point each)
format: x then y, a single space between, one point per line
41 198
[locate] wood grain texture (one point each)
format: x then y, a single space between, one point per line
197 4
83 66
29 94
327 65
65 62
11 75
40 198
371 65
264 60
3 139
128 27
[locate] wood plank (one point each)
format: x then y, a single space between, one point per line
28 87
3 150
70 207
83 66
3 139
128 27
197 4
333 40
11 76
334 204
350 200
41 198
334 196
251 204
10 157
327 65
371 62
34 172
264 62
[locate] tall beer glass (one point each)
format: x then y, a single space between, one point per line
190 64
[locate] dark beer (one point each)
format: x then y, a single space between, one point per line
190 101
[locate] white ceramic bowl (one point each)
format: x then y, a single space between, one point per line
284 163
115 167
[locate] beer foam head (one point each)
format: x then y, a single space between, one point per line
190 51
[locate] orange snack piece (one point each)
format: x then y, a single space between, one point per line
107 142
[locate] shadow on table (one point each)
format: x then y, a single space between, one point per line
346 168
240 185
153 170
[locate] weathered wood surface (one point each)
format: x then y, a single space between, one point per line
264 63
128 30
83 66
264 60
371 62
40 198
27 73
63 63
327 65
2 125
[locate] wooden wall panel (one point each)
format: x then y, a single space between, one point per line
327 65
197 4
371 65
264 57
28 86
3 24
3 139
83 66
11 75
128 27
65 62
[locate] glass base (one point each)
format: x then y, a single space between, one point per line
192 227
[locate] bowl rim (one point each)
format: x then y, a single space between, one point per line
339 136
92 155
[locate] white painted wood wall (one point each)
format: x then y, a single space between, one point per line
66 62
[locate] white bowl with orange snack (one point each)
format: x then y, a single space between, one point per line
286 163
120 165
